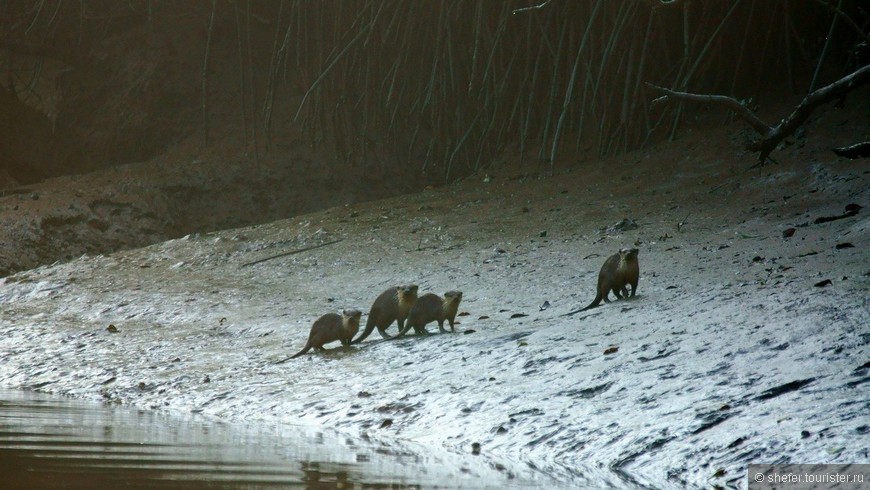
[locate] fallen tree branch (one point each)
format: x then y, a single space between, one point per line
293 252
859 150
739 109
802 112
771 136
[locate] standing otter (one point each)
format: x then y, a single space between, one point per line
391 306
433 308
619 270
331 327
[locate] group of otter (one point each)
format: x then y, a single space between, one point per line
400 304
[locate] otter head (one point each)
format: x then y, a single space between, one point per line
453 297
629 254
451 302
351 318
407 292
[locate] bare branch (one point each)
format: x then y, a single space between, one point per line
292 252
534 7
329 67
821 96
741 110
772 136
859 150
205 71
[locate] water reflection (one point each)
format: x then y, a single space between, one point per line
55 442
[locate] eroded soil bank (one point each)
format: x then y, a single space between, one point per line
742 346
185 191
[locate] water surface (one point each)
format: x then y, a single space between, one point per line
57 442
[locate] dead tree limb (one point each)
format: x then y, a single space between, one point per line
293 252
739 109
771 136
859 150
802 112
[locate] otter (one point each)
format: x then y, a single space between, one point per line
433 308
392 305
619 270
331 327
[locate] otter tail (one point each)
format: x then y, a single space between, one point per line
403 330
303 351
294 356
595 302
370 325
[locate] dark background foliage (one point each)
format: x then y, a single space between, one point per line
433 89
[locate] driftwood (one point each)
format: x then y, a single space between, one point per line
771 136
293 252
859 150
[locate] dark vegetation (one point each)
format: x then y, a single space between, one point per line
232 113
425 88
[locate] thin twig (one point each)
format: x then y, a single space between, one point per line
205 71
825 48
329 67
709 43
570 90
242 94
253 84
534 7
292 252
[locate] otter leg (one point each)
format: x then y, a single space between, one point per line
383 332
441 326
633 288
404 330
616 292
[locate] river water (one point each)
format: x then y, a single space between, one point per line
58 442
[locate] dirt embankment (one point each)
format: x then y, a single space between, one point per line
748 341
138 204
